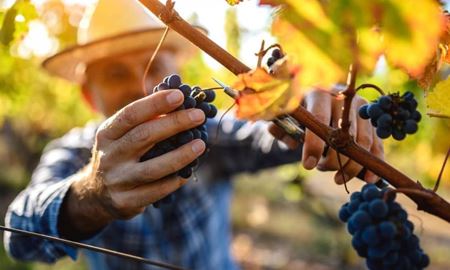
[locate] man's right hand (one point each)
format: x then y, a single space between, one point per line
115 184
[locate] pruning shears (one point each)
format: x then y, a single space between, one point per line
292 127
288 123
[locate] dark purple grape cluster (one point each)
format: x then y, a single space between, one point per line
276 54
393 115
381 231
194 97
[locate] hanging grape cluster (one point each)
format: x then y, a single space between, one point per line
381 231
194 97
393 115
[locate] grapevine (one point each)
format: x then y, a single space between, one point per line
337 138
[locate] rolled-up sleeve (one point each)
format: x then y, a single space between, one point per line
239 146
37 207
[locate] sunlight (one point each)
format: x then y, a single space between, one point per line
37 42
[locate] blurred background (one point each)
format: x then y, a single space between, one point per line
283 218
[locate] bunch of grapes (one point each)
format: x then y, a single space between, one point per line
393 115
194 97
381 231
276 54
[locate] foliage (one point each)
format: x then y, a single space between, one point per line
330 36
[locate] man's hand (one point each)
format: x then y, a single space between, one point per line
328 110
115 184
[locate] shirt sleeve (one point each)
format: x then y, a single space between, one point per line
37 207
239 146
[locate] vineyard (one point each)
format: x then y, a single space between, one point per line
385 51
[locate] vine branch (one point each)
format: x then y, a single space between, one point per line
349 93
433 204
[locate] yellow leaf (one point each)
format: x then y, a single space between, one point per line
325 37
424 23
318 68
438 100
233 2
263 97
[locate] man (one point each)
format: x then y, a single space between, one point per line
91 186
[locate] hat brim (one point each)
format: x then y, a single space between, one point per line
71 63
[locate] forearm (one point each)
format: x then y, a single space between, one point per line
82 214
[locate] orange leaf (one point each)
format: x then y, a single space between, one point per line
263 96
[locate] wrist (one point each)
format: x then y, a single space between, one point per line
82 213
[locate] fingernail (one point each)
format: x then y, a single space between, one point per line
310 163
198 146
196 115
174 97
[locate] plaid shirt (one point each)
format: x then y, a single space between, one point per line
193 231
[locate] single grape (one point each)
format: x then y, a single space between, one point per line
363 111
385 120
374 110
163 86
276 53
186 89
385 102
212 112
210 96
189 102
383 132
174 81
410 126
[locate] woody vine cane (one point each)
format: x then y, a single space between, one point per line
338 139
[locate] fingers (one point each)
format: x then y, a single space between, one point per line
166 164
364 136
144 195
319 104
330 161
281 135
139 139
377 149
154 191
140 111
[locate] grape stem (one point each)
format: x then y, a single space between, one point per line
369 85
149 64
213 88
342 171
436 186
337 139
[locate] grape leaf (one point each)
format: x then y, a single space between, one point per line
438 100
412 52
445 39
428 77
325 37
263 96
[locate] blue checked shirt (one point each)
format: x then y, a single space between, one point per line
193 231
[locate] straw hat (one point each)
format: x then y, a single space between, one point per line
113 28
